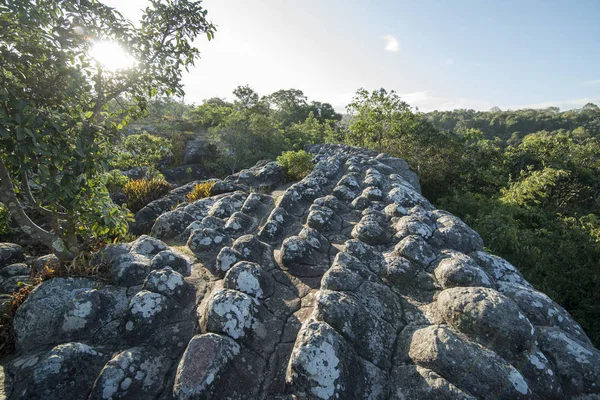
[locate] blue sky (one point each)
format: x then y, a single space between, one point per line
436 54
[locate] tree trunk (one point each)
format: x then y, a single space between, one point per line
9 197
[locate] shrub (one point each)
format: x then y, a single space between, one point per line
141 150
115 180
296 164
143 191
201 191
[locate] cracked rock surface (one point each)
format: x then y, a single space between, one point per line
348 284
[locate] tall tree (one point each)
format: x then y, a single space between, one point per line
55 122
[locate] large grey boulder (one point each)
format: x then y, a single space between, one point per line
198 151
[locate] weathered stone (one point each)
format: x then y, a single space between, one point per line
147 312
67 371
488 376
460 270
203 367
168 258
488 317
229 312
207 240
135 373
130 269
39 317
167 282
147 246
454 234
414 382
170 224
249 278
576 363
416 249
10 253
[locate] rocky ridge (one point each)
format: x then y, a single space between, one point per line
346 285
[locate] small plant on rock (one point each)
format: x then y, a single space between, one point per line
296 164
201 191
140 192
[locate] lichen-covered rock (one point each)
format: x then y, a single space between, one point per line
345 285
203 367
416 249
147 246
207 240
130 269
452 233
92 310
67 371
323 366
372 231
249 278
18 269
37 321
488 376
170 224
414 382
488 317
460 270
168 258
135 373
229 312
10 253
239 223
577 363
147 312
167 282
541 310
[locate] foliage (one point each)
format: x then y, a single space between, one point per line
255 128
210 113
115 180
4 220
141 150
140 192
377 119
58 114
200 191
511 126
296 164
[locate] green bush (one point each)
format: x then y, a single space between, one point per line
296 164
140 192
115 180
142 150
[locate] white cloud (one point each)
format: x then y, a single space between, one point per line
449 61
562 104
593 82
428 101
392 45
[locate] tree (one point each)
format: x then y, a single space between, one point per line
290 106
377 118
55 122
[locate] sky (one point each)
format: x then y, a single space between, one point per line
436 54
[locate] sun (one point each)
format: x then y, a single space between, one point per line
111 56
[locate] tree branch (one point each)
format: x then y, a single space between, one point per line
29 196
9 197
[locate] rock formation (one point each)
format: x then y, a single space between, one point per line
346 285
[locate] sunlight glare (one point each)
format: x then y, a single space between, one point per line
111 56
